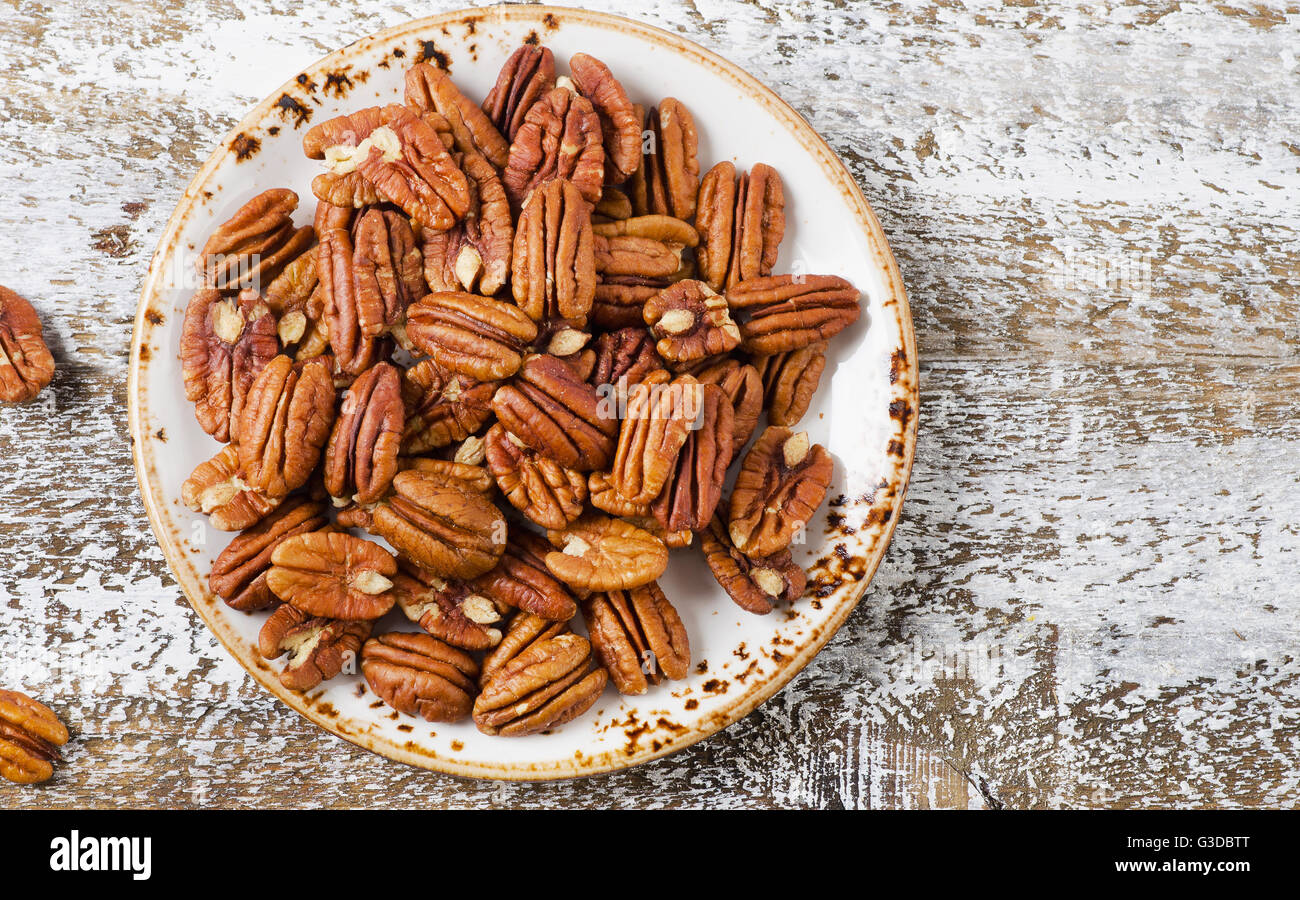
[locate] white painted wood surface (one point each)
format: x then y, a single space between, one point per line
1091 599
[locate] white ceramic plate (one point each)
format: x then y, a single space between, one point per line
865 412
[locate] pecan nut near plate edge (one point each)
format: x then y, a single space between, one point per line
26 365
517 301
30 738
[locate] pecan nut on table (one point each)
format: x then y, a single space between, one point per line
503 373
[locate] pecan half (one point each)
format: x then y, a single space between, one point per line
741 223
619 301
549 683
298 303
619 123
30 738
285 422
398 156
755 583
543 490
474 255
451 611
613 205
789 312
789 381
744 387
606 498
673 232
333 575
688 500
669 178
528 74
475 336
521 581
419 675
632 256
239 573
441 523
467 475
597 553
255 243
638 637
560 138
553 273
368 285
428 87
659 418
217 489
782 481
361 457
560 416
623 358
225 343
691 322
388 269
319 649
524 631
442 408
26 365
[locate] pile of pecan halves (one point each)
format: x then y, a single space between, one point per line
533 303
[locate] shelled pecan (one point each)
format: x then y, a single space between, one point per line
474 255
638 637
442 408
429 87
239 573
26 365
660 415
551 682
361 456
694 486
560 138
619 124
388 153
755 583
259 240
319 648
217 489
790 380
691 322
527 75
419 675
472 335
553 273
451 611
333 575
284 425
557 414
782 481
669 177
521 580
597 553
744 388
441 523
30 738
634 256
225 343
789 312
543 490
740 222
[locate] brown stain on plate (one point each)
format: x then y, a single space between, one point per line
244 147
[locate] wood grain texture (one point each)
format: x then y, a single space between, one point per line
1090 600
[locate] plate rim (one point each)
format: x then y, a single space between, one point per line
907 382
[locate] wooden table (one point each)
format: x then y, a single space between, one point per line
1091 599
